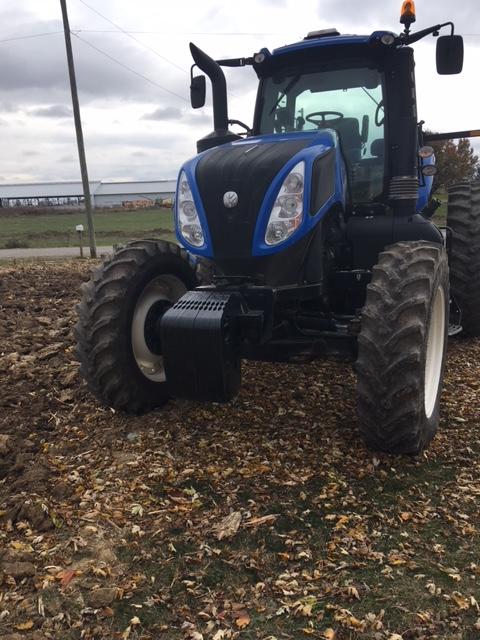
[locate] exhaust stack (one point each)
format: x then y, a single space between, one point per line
220 134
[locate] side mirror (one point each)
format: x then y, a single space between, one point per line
449 55
198 92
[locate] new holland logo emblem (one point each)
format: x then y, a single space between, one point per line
230 199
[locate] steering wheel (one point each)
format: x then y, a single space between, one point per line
379 121
323 117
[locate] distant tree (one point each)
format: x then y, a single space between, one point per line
455 162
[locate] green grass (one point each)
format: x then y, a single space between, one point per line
440 216
58 230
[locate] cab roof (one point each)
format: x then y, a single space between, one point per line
324 45
324 40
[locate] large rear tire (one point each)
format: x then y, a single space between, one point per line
119 315
464 221
402 347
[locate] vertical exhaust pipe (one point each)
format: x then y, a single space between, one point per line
212 69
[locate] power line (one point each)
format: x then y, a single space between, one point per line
132 37
33 35
125 66
189 33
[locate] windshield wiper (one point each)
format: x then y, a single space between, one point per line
284 92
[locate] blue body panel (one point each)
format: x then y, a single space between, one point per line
426 183
319 144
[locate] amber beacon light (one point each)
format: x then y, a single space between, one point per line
407 16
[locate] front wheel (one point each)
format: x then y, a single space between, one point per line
118 328
402 347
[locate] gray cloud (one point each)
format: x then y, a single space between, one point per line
70 158
54 111
163 113
197 118
34 71
9 107
28 153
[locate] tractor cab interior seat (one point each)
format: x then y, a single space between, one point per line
348 130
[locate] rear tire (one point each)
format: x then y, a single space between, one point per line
118 320
464 221
402 347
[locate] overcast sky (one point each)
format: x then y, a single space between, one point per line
134 128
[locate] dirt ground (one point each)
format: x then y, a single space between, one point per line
265 518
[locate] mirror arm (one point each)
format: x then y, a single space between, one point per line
415 37
235 62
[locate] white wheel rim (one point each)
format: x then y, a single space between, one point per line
165 288
435 347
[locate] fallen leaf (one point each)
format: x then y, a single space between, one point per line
243 620
254 522
461 601
229 526
66 577
24 626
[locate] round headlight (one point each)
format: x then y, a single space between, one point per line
429 170
289 206
189 209
293 183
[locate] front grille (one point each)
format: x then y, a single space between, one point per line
247 169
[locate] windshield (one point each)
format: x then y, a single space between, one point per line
347 100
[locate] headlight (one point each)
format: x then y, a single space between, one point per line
287 210
188 221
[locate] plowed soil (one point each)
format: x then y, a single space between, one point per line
264 518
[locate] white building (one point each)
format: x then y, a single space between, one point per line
104 194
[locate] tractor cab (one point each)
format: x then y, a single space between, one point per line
340 90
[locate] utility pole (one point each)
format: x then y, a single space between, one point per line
78 129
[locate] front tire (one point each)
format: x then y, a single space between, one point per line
402 347
464 221
119 316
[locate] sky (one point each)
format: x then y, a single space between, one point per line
137 121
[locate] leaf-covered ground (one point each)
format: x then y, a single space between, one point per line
264 518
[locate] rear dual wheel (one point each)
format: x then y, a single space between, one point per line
118 328
464 221
402 347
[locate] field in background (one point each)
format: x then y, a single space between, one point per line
58 230
32 230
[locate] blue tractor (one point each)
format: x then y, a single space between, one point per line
309 235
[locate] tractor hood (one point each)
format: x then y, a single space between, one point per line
254 170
